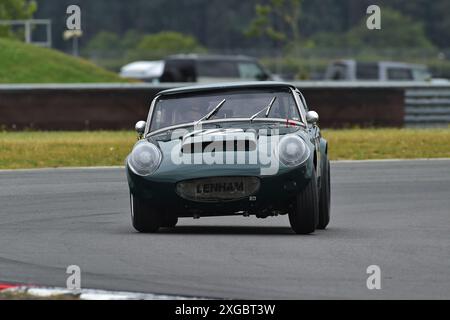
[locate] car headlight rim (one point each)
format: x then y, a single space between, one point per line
144 159
292 151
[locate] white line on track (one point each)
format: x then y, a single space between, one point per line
390 160
63 169
90 294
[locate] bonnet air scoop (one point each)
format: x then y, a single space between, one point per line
218 140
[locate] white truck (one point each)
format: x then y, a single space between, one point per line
351 70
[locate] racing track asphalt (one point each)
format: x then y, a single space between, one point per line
394 214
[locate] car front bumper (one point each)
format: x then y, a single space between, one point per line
275 194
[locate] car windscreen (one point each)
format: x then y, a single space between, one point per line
421 74
251 71
188 108
217 69
367 71
399 74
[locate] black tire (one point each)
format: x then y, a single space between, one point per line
169 221
324 197
143 218
305 215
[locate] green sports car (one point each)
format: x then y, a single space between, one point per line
229 149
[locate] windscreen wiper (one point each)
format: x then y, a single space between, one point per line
267 109
211 113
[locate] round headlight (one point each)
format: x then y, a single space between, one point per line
144 159
292 151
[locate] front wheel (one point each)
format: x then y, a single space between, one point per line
143 217
169 221
325 197
305 214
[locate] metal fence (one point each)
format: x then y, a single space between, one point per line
427 107
29 26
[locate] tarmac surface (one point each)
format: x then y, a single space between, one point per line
393 214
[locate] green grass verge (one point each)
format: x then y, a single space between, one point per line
106 148
64 149
362 144
24 63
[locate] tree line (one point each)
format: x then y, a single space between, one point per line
289 36
227 25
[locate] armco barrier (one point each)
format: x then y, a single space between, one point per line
427 105
119 106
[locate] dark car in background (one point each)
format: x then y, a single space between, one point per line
197 68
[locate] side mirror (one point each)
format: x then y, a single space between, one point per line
312 117
140 128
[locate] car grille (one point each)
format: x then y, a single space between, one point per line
218 188
236 145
